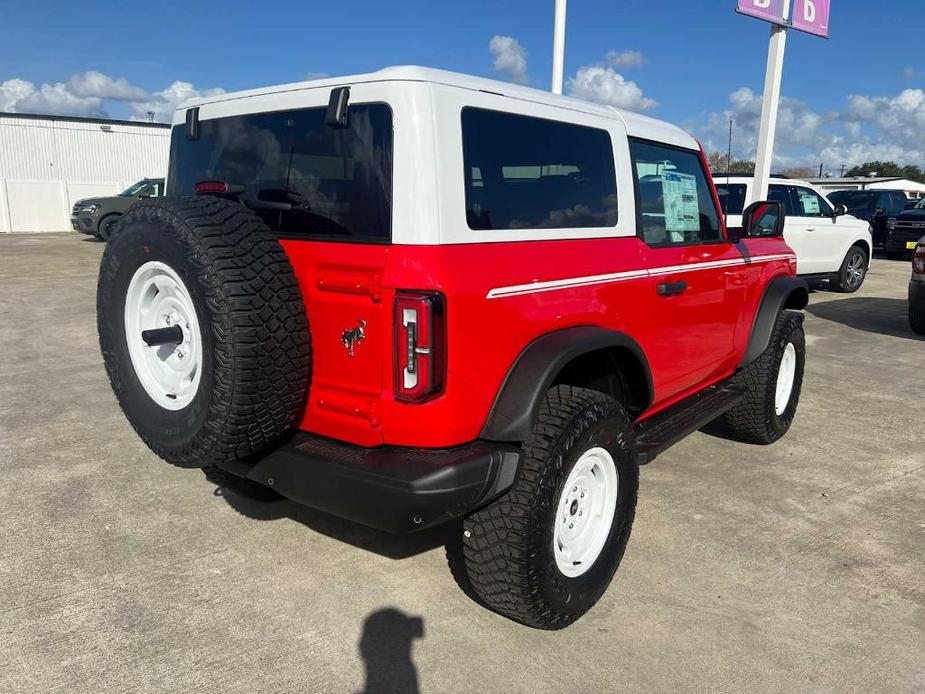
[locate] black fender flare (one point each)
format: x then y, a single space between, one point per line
784 292
536 367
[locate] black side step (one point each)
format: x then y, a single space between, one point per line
661 431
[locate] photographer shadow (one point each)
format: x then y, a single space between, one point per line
385 646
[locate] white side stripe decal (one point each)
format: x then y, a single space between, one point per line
552 285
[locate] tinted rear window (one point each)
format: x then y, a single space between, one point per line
530 173
731 197
299 175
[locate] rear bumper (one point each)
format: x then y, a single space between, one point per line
394 489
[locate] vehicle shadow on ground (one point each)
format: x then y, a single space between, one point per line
261 503
870 314
385 646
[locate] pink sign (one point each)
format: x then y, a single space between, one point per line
811 16
770 10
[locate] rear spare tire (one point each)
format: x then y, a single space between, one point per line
203 330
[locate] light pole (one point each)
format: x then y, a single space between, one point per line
558 47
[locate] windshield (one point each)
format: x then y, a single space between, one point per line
855 200
135 188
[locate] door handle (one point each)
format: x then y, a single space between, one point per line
810 228
671 288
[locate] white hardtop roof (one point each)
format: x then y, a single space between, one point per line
636 124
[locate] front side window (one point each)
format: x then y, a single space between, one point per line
298 174
530 173
676 204
811 204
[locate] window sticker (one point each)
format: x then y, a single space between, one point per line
809 202
679 191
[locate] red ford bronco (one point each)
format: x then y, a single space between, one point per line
412 297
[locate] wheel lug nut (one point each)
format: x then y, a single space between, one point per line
571 525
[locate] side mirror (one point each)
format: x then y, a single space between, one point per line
840 210
763 220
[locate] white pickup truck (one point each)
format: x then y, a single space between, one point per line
829 242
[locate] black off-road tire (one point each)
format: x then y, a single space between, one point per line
107 226
917 320
754 419
846 280
508 545
256 350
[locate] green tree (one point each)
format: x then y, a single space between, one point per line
888 169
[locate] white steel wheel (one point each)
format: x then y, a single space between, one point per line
585 512
169 372
786 375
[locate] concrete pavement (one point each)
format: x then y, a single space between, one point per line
798 567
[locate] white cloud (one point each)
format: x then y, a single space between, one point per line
87 94
866 128
510 58
96 84
12 92
20 96
624 59
165 102
605 86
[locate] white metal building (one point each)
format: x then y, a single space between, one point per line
912 189
47 163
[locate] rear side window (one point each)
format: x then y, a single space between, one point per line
731 197
298 174
531 173
782 194
675 201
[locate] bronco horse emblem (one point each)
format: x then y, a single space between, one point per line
351 338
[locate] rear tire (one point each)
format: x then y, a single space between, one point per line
226 281
545 552
852 272
772 385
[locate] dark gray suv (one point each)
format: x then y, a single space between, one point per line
97 216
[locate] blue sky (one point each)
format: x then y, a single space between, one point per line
694 54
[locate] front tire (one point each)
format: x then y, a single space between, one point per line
772 385
107 227
853 271
545 552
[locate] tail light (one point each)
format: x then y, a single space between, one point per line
918 260
204 187
420 346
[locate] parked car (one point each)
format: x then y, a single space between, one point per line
98 216
874 206
917 289
828 242
903 232
412 297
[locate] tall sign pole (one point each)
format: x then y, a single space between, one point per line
558 48
772 79
810 16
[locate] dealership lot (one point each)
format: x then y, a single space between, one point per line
794 567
